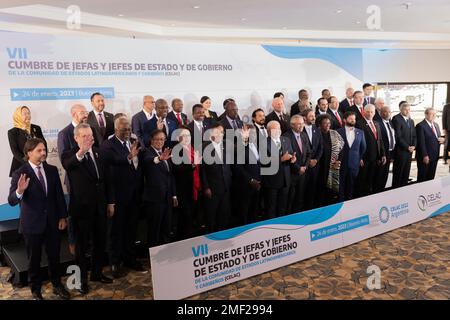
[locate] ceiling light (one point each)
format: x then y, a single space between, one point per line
358 22
243 19
338 11
120 15
284 28
196 7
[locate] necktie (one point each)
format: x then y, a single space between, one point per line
374 131
264 132
125 147
361 110
91 165
234 124
278 144
434 129
299 142
101 124
179 119
407 122
41 178
281 117
164 161
351 102
338 117
391 137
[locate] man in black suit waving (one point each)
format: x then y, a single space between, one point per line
91 202
101 121
405 136
278 114
36 187
121 155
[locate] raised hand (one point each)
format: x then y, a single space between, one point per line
134 150
23 183
166 155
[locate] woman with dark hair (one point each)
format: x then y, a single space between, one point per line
211 116
22 132
328 180
186 170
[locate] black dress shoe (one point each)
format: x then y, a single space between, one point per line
116 271
37 295
134 265
101 278
61 292
84 289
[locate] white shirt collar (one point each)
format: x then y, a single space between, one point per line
406 118
35 166
347 128
149 115
198 123
97 113
429 123
74 124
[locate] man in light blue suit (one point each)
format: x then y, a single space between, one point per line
352 154
138 120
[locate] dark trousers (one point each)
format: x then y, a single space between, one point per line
366 180
311 181
248 205
401 169
381 175
90 231
183 219
276 201
217 209
122 233
159 222
34 243
346 184
296 193
426 172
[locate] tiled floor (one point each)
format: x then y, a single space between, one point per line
414 263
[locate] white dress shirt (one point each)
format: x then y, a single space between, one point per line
254 149
308 129
386 123
149 115
262 129
350 133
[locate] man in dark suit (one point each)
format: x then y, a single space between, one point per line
358 108
379 104
247 176
322 106
160 195
277 174
337 119
198 126
278 115
347 102
302 103
160 122
120 154
225 102
91 202
36 187
215 175
374 157
102 122
177 115
231 119
428 144
259 121
352 154
368 90
388 138
300 145
138 120
405 136
315 143
446 129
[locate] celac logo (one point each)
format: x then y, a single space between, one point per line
384 214
422 203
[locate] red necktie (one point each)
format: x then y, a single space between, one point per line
338 117
179 119
361 110
374 131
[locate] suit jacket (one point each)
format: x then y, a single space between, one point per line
88 193
17 138
127 179
152 124
213 117
243 173
109 130
427 143
37 208
184 179
385 138
374 145
282 177
359 116
405 135
295 108
283 124
377 117
446 117
259 135
66 140
302 157
171 115
351 157
216 176
371 101
316 145
137 125
334 121
196 134
227 126
343 106
159 185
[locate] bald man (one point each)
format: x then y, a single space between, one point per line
278 114
177 114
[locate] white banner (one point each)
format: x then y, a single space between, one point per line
192 266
